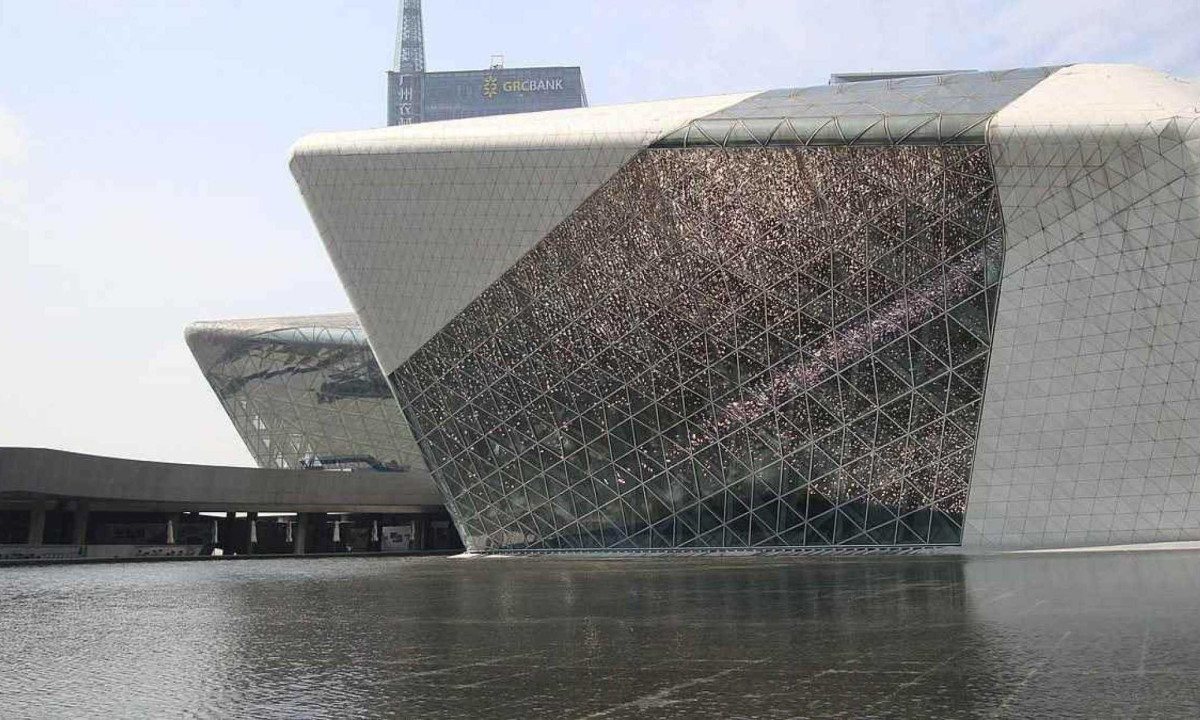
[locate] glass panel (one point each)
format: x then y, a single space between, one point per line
768 347
307 393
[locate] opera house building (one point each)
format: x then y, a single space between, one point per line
944 310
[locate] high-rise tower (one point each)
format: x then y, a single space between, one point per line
417 96
410 39
405 80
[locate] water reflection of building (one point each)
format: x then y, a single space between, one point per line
916 311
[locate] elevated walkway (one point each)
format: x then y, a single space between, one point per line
29 474
57 505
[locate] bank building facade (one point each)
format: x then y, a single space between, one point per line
920 311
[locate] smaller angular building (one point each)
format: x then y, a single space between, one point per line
305 392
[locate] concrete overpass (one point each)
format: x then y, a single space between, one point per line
36 480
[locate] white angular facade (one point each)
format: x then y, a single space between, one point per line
938 311
1091 420
428 216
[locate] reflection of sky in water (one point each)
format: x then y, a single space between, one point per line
1077 635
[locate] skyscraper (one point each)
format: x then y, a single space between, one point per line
415 95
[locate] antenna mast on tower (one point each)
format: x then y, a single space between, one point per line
410 39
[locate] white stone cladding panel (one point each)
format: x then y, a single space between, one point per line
1090 433
420 219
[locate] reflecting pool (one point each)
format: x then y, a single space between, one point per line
1068 635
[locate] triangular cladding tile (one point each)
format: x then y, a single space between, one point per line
1124 232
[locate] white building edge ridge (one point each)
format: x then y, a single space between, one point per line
933 311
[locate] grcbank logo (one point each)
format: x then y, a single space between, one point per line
490 87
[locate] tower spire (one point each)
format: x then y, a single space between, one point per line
410 39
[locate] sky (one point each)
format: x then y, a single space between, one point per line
143 151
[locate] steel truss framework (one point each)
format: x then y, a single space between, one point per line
752 347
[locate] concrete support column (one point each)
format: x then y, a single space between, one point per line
80 522
228 539
251 532
173 523
37 524
300 534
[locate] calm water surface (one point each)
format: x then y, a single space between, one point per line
1078 636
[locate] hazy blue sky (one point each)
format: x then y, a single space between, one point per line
143 145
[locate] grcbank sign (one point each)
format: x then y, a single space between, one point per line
458 94
493 87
